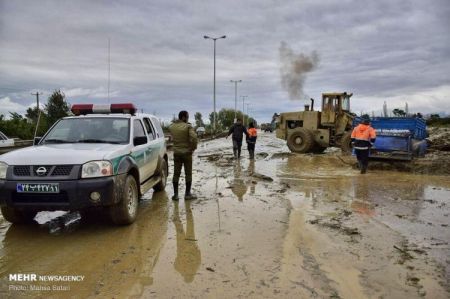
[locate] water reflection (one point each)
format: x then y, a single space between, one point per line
116 261
238 185
250 172
188 257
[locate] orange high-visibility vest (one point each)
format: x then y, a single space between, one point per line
364 132
252 132
362 136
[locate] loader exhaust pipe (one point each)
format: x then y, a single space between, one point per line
312 104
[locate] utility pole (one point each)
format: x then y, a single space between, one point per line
243 109
235 97
248 113
214 91
39 113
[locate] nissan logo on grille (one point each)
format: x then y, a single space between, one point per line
41 171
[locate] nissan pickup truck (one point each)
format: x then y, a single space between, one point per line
104 156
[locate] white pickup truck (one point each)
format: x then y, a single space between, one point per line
106 156
5 141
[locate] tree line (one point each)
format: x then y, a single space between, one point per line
24 126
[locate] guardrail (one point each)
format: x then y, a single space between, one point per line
17 144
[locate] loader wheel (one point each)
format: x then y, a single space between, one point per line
300 141
346 143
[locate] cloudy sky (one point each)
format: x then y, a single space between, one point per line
394 51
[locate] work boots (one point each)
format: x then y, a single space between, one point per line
363 169
188 195
175 191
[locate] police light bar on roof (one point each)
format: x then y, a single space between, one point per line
83 109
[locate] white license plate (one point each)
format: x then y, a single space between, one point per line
37 187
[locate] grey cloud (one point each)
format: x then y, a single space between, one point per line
377 49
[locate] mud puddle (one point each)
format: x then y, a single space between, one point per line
283 226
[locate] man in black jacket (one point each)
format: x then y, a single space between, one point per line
237 130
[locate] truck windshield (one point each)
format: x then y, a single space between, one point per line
90 130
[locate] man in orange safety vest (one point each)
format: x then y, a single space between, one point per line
363 137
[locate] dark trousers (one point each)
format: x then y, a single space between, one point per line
251 149
363 158
237 144
179 161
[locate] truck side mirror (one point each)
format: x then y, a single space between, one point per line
139 140
36 140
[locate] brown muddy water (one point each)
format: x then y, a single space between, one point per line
283 226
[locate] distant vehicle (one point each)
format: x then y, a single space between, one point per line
267 127
5 141
200 131
105 156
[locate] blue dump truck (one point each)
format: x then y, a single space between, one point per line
398 138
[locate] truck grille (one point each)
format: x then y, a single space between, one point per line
50 170
61 170
22 170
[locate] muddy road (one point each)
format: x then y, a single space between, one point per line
285 226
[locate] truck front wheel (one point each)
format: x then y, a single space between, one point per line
17 216
300 141
126 210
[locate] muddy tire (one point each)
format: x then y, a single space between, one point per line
300 141
163 172
126 210
17 216
346 143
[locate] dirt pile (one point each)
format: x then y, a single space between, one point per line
439 139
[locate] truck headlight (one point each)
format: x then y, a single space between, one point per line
3 168
96 169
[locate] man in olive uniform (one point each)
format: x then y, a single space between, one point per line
184 144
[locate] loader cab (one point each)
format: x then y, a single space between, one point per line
333 105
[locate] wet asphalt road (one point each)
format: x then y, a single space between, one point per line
284 226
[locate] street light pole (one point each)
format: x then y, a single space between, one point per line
235 97
243 109
248 113
214 89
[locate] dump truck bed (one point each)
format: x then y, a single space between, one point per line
398 138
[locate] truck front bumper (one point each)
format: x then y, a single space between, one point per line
72 195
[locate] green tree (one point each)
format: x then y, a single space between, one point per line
198 120
435 116
32 114
399 112
56 107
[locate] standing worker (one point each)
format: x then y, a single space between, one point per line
251 140
363 137
237 130
184 144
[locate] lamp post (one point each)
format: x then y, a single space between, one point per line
235 97
214 92
248 112
243 109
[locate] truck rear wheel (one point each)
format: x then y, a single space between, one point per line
300 141
17 216
126 210
163 172
346 143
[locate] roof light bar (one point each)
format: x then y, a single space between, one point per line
83 109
